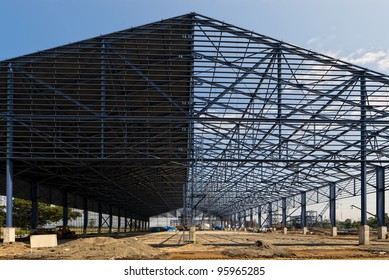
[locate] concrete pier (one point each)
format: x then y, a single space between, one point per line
334 231
305 230
285 230
364 235
382 231
9 235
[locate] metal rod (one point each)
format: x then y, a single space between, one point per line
332 207
303 209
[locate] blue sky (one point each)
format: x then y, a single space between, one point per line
353 30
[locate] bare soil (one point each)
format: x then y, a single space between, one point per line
208 245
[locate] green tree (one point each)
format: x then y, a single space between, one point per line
92 223
2 216
46 213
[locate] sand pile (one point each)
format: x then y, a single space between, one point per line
10 250
260 249
97 248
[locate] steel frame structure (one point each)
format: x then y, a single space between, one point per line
194 112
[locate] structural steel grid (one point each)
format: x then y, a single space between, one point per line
193 112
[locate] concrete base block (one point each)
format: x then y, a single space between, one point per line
9 235
305 230
285 230
382 232
192 234
84 231
44 240
334 231
364 235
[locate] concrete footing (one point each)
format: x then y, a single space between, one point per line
285 230
334 231
382 231
43 241
9 235
305 230
192 234
364 235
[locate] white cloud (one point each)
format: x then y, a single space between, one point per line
373 59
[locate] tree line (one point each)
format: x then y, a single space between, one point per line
21 214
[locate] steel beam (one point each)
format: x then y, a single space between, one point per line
125 221
244 218
251 218
333 204
363 149
34 206
303 209
100 217
110 225
270 214
65 208
380 195
10 145
119 220
283 212
85 224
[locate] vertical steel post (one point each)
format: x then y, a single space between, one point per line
110 218
119 220
85 206
303 209
283 201
100 217
270 215
239 220
10 144
251 218
244 218
34 206
380 197
333 204
125 221
279 99
65 208
363 150
131 223
103 97
259 217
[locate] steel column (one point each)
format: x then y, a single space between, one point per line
131 222
34 206
125 221
283 212
270 215
251 218
85 205
9 149
100 217
380 197
244 218
363 150
259 217
333 204
103 96
119 220
110 218
65 208
303 209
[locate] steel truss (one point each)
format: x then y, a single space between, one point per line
192 107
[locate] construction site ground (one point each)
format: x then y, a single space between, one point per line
208 245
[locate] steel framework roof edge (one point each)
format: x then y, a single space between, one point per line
13 59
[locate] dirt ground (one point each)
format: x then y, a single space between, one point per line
208 245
